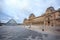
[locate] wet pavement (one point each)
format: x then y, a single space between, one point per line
20 33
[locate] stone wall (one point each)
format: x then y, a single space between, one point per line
50 20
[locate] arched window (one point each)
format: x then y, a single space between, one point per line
42 29
48 21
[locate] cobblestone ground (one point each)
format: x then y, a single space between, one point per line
20 33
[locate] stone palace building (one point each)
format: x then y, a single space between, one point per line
51 19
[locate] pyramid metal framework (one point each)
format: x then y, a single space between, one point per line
12 22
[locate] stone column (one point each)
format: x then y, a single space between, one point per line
30 25
54 20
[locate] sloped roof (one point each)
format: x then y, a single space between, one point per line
31 15
50 8
58 9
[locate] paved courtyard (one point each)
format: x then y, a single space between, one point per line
21 33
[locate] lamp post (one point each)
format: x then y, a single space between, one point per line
0 23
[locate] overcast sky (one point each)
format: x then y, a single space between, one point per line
20 9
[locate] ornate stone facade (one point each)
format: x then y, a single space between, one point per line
50 18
